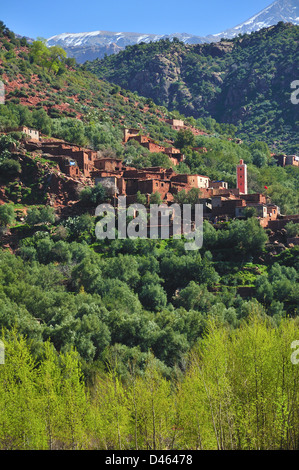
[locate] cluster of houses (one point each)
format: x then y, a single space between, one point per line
219 201
174 154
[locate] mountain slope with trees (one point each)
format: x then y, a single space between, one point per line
62 100
245 81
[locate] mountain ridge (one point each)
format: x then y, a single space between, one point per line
242 81
96 44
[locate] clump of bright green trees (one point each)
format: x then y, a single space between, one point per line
239 391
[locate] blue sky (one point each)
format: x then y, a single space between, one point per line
35 18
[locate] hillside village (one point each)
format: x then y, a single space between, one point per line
131 333
220 202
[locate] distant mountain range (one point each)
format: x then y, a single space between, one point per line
97 44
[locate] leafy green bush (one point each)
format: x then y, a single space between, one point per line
10 168
44 215
94 195
292 229
7 215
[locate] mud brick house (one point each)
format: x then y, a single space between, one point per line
287 160
66 164
218 185
165 181
281 221
32 133
71 168
109 164
177 124
254 199
173 153
129 180
192 181
143 140
280 159
234 205
219 201
148 173
263 211
226 206
84 157
130 134
109 172
113 183
153 147
149 186
292 160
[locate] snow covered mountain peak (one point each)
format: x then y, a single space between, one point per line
280 10
95 44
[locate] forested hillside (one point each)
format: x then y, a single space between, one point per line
61 100
49 92
245 81
101 336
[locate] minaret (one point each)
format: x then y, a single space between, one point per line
242 177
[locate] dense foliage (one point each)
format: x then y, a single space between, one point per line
239 392
80 292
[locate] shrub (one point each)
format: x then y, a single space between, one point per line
95 195
10 168
292 229
7 215
44 215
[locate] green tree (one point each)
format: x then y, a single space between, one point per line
7 215
184 139
44 215
49 386
153 297
56 56
141 198
111 419
41 121
10 168
292 229
152 409
21 427
94 195
155 198
74 403
39 52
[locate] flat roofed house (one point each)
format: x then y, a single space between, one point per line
32 133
